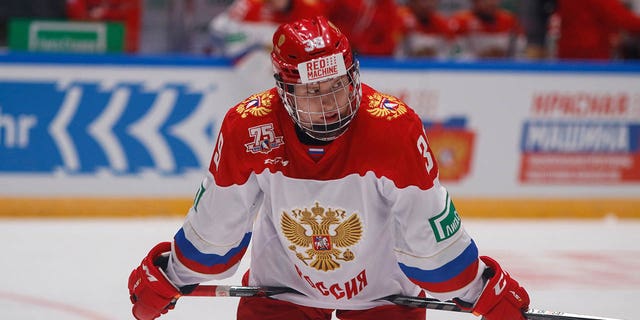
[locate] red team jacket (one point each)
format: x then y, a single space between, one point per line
430 38
587 27
368 219
129 12
258 11
373 27
486 39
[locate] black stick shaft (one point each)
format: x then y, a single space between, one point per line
416 302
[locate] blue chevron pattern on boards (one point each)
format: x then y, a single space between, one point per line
186 104
139 102
87 127
22 147
91 103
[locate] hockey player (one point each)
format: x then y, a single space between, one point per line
487 31
336 187
426 33
248 25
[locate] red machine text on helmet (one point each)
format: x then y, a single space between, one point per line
322 69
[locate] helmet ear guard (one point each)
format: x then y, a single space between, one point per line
310 52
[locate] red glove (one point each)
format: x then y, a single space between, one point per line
151 293
502 298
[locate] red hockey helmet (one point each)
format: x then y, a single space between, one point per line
317 76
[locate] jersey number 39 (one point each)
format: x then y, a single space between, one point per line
423 148
216 153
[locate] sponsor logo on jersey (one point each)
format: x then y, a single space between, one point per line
199 194
385 106
257 105
264 139
447 223
319 232
277 160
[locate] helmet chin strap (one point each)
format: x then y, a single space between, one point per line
328 132
306 139
331 126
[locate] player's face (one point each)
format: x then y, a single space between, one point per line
323 103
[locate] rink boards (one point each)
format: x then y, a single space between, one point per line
132 136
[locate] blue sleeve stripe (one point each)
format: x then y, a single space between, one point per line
448 271
190 252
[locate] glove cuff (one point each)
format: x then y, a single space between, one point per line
499 289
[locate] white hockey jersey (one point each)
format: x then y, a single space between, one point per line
347 223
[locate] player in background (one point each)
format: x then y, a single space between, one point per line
487 31
427 33
373 27
249 24
129 12
591 29
337 189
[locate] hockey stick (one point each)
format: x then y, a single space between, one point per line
238 291
531 314
416 302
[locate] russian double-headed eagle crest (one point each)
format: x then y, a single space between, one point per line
319 233
257 105
385 106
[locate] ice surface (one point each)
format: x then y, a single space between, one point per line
78 269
